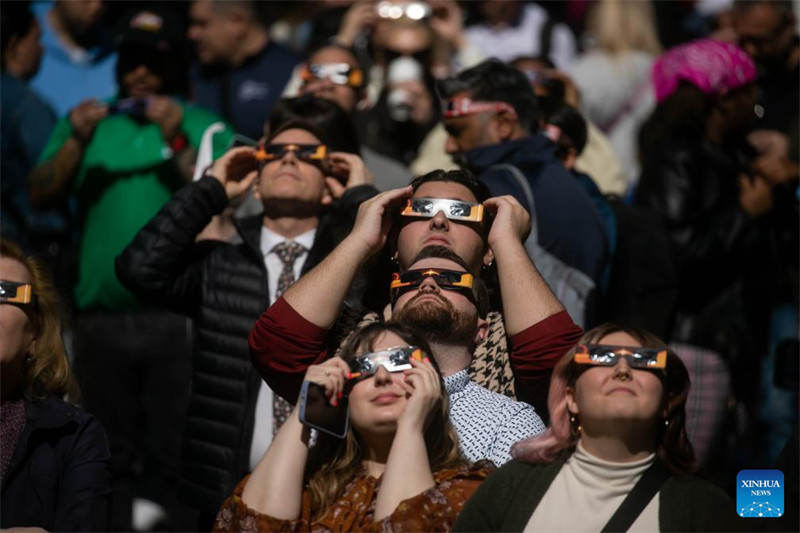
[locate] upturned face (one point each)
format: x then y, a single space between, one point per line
609 395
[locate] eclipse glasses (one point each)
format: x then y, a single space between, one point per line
462 107
452 209
637 357
310 153
15 293
450 280
393 360
338 73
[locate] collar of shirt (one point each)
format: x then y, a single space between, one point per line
270 239
456 382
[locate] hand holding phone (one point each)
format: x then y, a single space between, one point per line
317 412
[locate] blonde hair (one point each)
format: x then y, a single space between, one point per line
335 462
47 371
620 26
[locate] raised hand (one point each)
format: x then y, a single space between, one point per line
85 117
350 165
374 219
167 113
360 16
511 220
332 374
423 390
236 170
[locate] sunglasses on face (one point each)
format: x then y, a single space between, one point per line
452 209
637 357
338 73
130 59
462 107
451 280
393 360
15 293
310 153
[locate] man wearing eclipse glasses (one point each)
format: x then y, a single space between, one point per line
224 286
333 73
526 298
492 119
442 213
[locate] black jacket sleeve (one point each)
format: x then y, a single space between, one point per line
84 500
163 264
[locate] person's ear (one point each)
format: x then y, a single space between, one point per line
506 125
571 158
327 198
488 257
572 405
483 330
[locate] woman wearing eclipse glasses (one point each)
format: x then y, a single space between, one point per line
54 461
616 456
398 433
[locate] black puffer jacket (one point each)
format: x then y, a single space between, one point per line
223 287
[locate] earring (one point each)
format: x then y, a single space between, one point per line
573 421
666 422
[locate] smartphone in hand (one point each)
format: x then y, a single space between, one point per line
317 412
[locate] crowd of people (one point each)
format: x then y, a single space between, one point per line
398 265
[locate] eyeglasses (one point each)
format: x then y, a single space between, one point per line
310 153
452 209
637 357
393 360
450 280
462 107
16 293
338 73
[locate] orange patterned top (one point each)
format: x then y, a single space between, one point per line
433 510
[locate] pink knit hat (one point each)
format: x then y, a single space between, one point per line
714 67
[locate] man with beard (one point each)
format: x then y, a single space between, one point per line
767 32
533 321
438 293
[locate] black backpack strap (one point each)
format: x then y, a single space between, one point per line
546 37
638 498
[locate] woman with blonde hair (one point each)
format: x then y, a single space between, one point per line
398 467
613 76
616 456
54 460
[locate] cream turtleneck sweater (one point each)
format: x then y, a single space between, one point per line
587 492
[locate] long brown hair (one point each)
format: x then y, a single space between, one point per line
47 371
334 462
561 438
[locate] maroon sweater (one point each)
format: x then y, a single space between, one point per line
283 344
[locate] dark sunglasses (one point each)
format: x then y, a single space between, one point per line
452 209
637 357
424 57
393 360
338 73
451 280
16 293
310 153
130 59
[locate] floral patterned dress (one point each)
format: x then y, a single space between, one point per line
433 510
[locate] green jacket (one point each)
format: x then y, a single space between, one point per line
508 497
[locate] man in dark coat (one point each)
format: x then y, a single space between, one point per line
225 286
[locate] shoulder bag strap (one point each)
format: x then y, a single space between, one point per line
638 498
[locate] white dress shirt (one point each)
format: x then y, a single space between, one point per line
262 432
